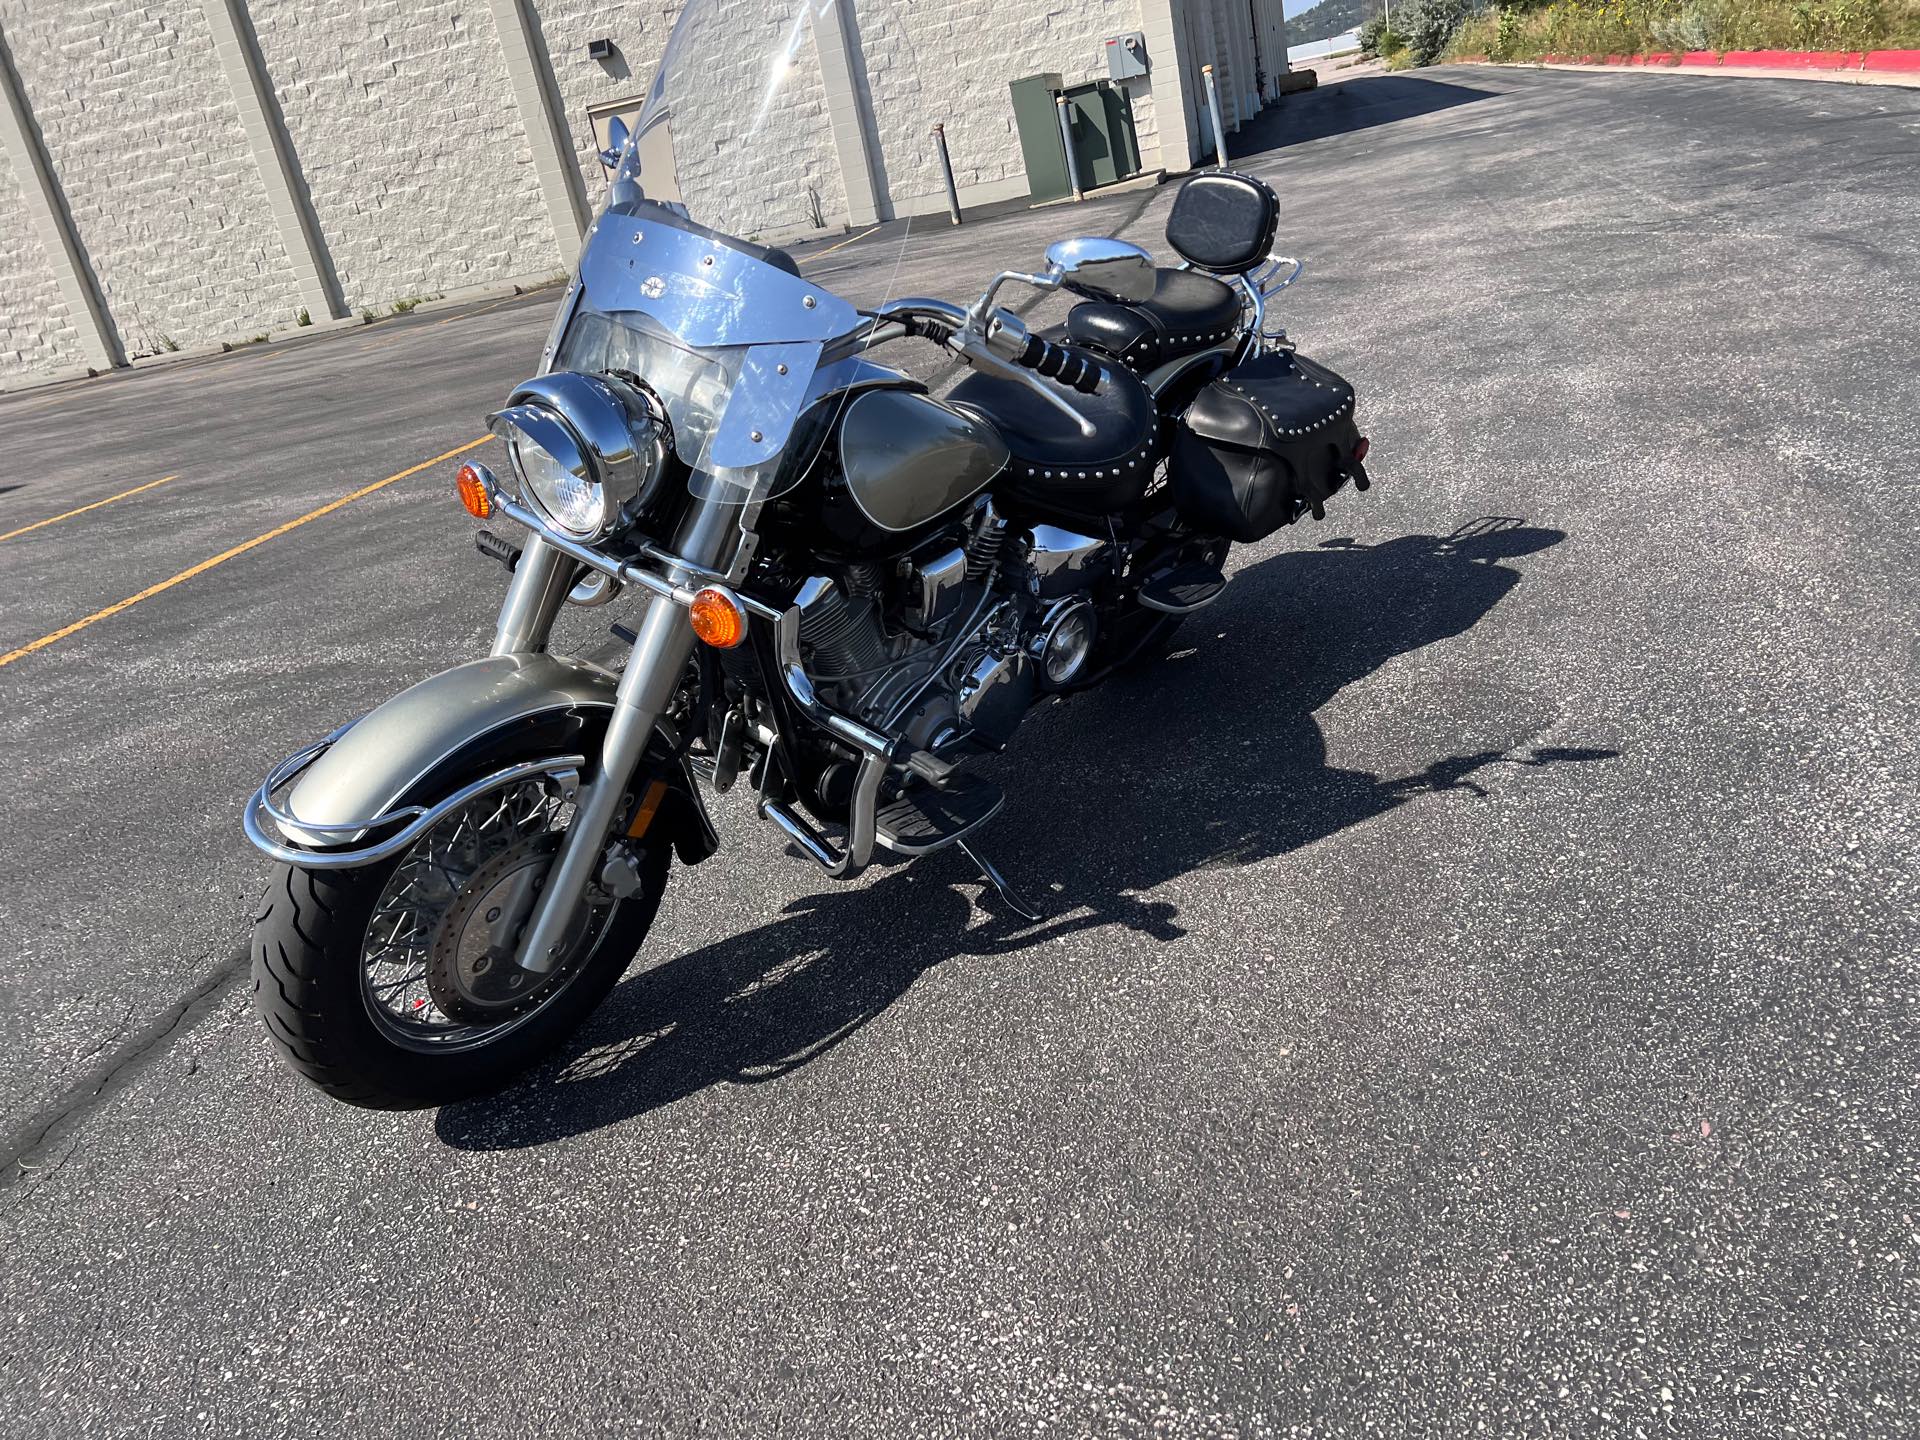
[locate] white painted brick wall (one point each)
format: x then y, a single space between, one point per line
731 176
413 150
638 27
951 61
142 131
37 338
927 61
418 161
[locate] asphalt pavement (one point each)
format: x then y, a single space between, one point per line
1477 992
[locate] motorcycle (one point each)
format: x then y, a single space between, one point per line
849 587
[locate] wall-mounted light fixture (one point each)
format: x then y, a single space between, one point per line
600 49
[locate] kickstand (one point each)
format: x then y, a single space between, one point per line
1013 898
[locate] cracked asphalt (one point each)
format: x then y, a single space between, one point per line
1477 992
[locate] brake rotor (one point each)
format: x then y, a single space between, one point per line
471 972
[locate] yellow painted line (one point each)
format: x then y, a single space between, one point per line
822 254
8 411
56 519
225 555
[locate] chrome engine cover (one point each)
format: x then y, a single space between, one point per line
924 650
994 696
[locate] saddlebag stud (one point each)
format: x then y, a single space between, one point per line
1269 442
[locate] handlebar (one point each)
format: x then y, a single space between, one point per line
1057 362
997 343
1004 338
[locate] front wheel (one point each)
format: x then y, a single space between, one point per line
393 985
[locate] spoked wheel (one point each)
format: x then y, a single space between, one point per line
395 986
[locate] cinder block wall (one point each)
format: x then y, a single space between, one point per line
951 64
418 153
638 29
36 332
416 158
732 171
144 136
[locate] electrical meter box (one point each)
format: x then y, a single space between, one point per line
1126 56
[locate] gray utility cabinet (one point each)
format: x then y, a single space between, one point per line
1100 116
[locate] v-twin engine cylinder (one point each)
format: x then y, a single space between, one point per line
951 644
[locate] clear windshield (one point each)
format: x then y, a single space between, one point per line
741 148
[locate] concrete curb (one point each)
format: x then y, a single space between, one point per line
452 300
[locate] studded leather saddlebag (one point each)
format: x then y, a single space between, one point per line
1263 445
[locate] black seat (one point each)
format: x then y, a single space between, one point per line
1188 312
1221 223
1057 465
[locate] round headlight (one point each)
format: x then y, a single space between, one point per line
572 500
587 450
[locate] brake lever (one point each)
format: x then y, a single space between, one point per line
980 357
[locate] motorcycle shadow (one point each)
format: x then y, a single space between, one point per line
1211 760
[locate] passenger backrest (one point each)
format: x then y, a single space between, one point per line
1223 222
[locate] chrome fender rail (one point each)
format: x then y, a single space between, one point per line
420 818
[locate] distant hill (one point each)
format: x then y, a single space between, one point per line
1327 19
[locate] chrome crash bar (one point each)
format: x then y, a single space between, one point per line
626 572
420 818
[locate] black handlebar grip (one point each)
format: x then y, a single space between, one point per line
927 328
1082 372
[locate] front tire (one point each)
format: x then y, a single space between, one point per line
310 980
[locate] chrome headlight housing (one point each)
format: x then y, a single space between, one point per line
588 449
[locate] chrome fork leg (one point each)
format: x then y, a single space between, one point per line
534 595
653 673
709 535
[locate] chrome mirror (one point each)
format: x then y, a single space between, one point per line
616 142
1102 269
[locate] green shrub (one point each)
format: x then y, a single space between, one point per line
1429 25
1372 30
1694 28
1530 30
1506 40
1478 37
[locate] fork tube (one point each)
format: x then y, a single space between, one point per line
539 586
661 646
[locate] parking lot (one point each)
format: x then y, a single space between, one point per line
1477 991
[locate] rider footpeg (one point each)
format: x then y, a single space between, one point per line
494 548
925 819
1186 588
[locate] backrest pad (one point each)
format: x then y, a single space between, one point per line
1223 222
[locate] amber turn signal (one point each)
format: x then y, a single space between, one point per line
718 618
473 492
